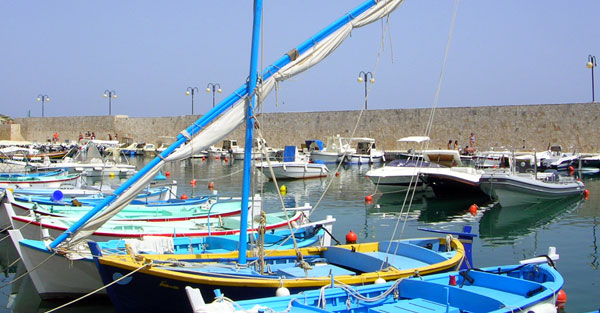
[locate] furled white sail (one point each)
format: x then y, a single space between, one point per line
234 116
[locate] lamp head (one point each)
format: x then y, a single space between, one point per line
590 64
360 79
39 99
207 89
105 96
187 93
372 80
115 96
219 90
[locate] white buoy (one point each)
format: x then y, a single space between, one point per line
282 292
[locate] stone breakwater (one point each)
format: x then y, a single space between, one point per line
573 126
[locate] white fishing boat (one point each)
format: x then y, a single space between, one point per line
293 166
366 152
334 151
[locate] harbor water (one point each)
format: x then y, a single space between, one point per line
505 235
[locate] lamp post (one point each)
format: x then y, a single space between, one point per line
214 87
110 94
43 98
364 76
591 63
191 91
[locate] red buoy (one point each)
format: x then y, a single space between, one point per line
193 182
226 159
561 299
571 170
184 197
168 174
337 174
586 194
473 209
368 198
211 185
203 158
351 237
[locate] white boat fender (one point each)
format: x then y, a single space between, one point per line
379 281
282 292
542 308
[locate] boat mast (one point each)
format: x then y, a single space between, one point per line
249 129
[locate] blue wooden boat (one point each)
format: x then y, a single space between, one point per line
511 288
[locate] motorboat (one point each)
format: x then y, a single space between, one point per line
366 152
511 188
333 152
293 166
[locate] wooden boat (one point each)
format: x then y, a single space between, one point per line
511 288
49 274
159 211
40 181
159 277
33 226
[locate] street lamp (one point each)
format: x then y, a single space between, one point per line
215 87
362 76
43 98
591 64
110 94
191 90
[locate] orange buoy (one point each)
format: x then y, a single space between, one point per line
351 237
184 197
337 174
168 174
571 170
452 281
226 159
473 209
561 299
368 198
586 194
211 185
193 182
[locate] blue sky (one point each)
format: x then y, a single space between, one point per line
149 52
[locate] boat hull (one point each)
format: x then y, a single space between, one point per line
294 170
325 157
136 293
50 278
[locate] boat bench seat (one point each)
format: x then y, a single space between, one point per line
414 305
316 271
361 262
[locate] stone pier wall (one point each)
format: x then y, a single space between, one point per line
574 126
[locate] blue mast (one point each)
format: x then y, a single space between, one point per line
249 129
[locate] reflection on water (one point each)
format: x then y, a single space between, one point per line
505 224
506 234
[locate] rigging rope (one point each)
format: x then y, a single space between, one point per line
425 144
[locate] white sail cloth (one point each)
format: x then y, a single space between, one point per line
325 47
235 115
